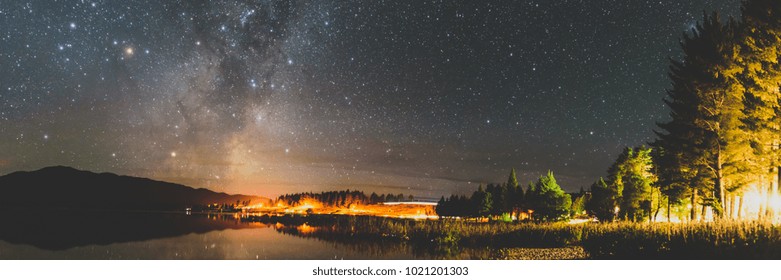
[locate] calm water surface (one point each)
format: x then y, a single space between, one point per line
177 236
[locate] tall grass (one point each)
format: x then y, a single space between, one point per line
621 240
714 240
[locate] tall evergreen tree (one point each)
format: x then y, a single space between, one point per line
442 207
603 201
482 202
498 199
704 139
548 200
635 174
515 193
761 48
630 180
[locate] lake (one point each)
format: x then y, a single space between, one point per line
121 235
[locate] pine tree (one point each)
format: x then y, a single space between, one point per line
721 107
482 202
629 185
515 193
761 48
442 207
549 201
704 141
499 199
603 201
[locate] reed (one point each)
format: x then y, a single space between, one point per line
619 240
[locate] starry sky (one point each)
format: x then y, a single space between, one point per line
270 97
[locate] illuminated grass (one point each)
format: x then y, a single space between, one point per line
721 240
622 240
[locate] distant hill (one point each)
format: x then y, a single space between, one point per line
62 187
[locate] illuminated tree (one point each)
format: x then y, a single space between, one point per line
629 182
761 48
578 207
704 140
548 200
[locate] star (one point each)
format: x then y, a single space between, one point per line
186 90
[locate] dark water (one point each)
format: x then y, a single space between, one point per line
180 236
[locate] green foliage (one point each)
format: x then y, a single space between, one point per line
636 201
486 202
482 202
725 108
603 201
545 199
628 189
548 200
512 180
578 207
506 217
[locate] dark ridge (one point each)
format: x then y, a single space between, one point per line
61 187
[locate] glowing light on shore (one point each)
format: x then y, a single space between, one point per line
311 206
759 203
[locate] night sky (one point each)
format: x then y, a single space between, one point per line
267 97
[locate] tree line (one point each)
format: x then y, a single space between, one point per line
343 198
543 200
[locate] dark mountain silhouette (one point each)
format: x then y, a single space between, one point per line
62 187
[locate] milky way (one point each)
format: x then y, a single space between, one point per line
269 97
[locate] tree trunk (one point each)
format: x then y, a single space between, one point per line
771 211
732 206
668 209
769 192
704 212
740 207
778 179
658 204
718 209
693 214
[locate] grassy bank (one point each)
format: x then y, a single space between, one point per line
715 240
722 240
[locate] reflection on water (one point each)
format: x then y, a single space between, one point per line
374 246
180 236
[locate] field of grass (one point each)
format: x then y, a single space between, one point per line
713 240
621 240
